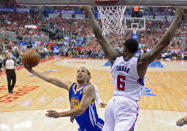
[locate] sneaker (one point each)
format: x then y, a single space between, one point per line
10 92
181 122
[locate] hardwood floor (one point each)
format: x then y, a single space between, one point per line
163 102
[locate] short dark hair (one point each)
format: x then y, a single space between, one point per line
132 45
88 72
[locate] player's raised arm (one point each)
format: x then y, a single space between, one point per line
88 97
48 79
109 52
148 57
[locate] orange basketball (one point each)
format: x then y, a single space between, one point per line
31 58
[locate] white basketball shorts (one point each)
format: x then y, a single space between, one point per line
121 114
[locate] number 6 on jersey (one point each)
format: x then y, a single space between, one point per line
121 82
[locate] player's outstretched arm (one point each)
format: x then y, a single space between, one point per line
148 57
109 52
48 79
97 97
88 97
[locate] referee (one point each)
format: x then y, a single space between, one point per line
9 64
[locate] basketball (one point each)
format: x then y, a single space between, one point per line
30 58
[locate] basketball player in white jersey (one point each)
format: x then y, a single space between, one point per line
128 72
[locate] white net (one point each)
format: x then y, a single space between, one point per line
112 19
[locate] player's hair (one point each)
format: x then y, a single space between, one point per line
132 45
88 72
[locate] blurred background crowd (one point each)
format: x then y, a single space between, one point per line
65 31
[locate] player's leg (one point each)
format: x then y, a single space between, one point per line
13 77
1 65
9 81
126 113
109 117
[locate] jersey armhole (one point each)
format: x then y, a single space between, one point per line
114 62
70 86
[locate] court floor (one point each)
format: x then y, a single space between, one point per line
163 101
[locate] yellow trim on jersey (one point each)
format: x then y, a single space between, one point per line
83 91
78 89
69 86
93 101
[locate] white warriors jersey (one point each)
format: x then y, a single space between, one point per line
126 79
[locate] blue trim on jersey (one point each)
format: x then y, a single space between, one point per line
132 128
89 120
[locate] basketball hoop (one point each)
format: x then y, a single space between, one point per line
112 19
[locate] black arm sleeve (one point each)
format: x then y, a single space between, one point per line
15 61
4 62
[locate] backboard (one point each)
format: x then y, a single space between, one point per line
92 2
131 22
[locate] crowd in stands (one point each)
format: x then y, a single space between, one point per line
16 21
9 4
154 32
74 38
